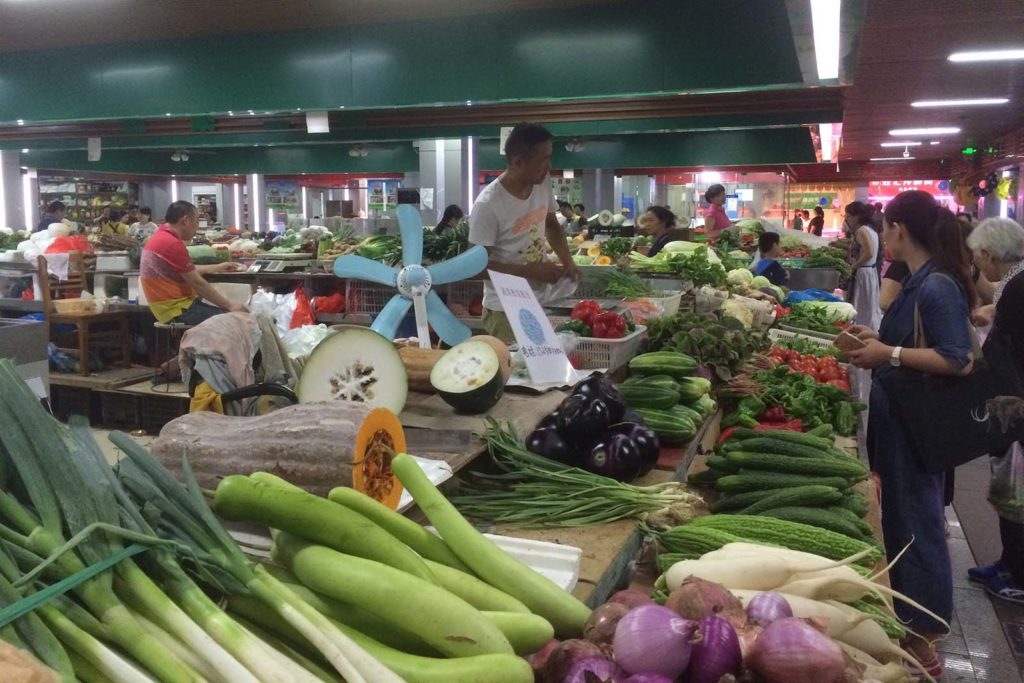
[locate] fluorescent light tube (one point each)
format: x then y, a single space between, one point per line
974 102
987 55
900 144
891 158
316 122
3 200
825 136
26 198
825 22
941 130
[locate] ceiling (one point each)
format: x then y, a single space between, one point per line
33 24
903 57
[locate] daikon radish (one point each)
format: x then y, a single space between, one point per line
759 573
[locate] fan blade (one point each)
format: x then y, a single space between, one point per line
387 321
467 264
410 223
352 266
449 328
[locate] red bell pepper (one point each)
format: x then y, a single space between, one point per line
586 311
609 325
794 425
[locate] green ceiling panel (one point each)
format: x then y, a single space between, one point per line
643 46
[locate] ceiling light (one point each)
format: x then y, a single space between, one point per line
24 151
231 113
941 130
934 142
987 55
252 113
184 157
341 106
469 103
167 114
317 122
900 144
975 102
298 108
21 122
825 138
825 22
891 158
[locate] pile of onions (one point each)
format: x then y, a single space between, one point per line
716 654
654 639
594 668
764 608
791 651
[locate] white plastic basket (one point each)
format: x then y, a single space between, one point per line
669 303
610 354
809 333
776 334
367 298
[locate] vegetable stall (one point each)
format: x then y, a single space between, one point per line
686 508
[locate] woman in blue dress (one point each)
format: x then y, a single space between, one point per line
927 237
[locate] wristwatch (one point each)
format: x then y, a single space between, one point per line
894 359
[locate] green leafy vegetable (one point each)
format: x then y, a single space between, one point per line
722 345
625 285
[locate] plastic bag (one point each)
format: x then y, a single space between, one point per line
1006 490
335 303
303 314
800 296
301 341
69 243
281 307
642 310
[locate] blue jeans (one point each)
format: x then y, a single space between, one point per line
913 509
198 312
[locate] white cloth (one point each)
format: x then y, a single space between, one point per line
865 297
57 265
512 228
873 239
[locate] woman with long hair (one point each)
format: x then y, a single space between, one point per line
449 219
927 237
864 252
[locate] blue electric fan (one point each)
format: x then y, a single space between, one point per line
414 282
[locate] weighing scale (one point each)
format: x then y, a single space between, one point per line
282 263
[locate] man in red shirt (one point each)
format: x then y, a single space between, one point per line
173 286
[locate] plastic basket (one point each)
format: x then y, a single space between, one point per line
462 293
120 411
809 333
159 410
611 354
366 297
763 312
74 306
777 334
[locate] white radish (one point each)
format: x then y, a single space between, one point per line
874 670
845 624
759 573
798 561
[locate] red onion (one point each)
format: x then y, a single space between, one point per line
631 598
696 598
716 654
600 627
539 659
648 678
764 608
792 651
654 639
594 669
565 656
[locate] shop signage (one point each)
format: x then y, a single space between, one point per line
538 343
891 188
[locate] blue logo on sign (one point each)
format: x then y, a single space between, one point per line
531 326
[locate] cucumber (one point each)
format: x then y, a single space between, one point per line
823 467
812 495
678 365
689 413
769 444
785 435
671 428
864 528
824 431
757 480
717 462
856 502
706 477
663 381
648 396
692 388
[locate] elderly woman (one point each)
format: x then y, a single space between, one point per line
998 246
926 236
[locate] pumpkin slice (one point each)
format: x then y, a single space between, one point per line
469 377
355 364
378 440
418 364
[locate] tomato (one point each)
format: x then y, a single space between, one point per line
842 384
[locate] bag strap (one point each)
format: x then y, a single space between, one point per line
921 341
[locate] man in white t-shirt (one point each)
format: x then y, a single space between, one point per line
144 228
513 216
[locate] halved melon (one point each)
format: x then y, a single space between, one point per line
355 364
380 438
469 377
500 348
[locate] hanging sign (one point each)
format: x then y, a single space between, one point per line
503 137
95 149
543 353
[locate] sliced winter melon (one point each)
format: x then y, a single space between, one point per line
500 348
355 364
469 377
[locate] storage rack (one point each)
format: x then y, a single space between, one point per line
79 196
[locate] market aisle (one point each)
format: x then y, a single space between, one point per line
980 647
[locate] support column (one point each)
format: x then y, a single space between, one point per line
256 203
598 191
443 170
12 214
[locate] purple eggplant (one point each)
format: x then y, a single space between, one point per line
551 444
549 421
646 441
615 456
632 416
582 419
599 386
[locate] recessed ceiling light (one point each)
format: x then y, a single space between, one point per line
167 114
252 113
900 144
21 122
341 106
231 113
24 151
935 142
940 130
988 55
469 103
975 102
298 108
825 25
891 158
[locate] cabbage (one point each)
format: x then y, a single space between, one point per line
740 277
835 310
759 281
750 226
688 248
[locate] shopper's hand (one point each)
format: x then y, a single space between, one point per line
238 308
228 267
547 272
572 272
862 332
874 354
983 315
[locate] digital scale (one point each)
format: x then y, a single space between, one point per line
281 263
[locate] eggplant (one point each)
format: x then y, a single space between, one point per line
582 418
599 386
551 444
632 417
646 441
550 421
615 456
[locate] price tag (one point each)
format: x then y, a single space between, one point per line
544 356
